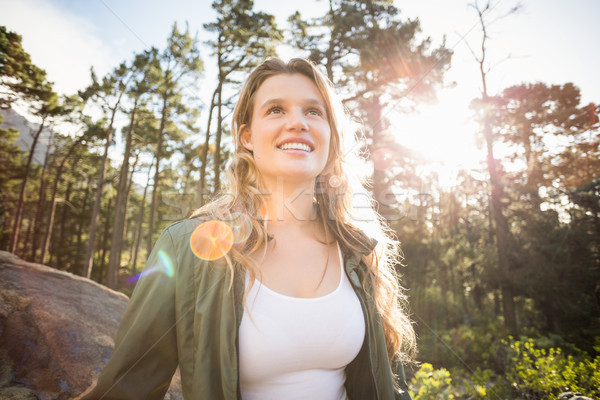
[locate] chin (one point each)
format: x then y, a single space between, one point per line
286 175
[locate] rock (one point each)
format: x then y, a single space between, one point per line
17 393
572 396
56 331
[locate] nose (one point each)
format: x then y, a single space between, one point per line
297 121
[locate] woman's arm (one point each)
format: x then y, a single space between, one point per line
145 353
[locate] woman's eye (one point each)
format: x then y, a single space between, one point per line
315 112
274 110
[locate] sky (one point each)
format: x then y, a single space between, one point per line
552 41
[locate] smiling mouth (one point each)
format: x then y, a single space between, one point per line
295 146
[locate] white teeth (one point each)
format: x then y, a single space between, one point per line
295 146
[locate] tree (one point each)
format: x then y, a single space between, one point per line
545 124
244 38
38 206
59 171
378 62
45 110
140 220
178 67
501 227
525 117
139 86
11 159
108 94
20 79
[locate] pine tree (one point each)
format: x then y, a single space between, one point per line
138 86
179 65
244 38
378 63
108 94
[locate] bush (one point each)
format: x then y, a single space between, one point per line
430 384
525 369
536 372
484 384
478 345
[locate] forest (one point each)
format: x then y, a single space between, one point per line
501 269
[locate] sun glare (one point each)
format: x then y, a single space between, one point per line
443 133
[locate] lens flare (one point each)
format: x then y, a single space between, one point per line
211 240
241 226
164 264
335 181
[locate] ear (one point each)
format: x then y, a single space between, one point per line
246 137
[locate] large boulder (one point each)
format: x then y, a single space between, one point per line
56 331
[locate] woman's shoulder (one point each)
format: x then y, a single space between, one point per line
185 227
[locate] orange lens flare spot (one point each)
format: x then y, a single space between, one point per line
211 240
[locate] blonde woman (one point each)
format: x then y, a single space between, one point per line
280 288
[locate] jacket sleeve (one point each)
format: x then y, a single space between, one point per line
145 354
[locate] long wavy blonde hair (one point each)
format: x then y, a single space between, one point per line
335 190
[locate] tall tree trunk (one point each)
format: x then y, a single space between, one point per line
61 239
533 180
29 231
159 144
39 214
501 232
50 227
204 159
501 229
374 115
331 45
14 238
116 245
81 219
89 255
217 166
127 221
104 245
37 217
140 220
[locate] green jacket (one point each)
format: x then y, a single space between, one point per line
183 313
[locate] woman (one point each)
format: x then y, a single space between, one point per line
271 291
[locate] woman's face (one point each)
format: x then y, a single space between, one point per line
289 134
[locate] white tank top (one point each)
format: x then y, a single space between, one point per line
298 348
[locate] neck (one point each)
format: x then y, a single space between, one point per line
289 203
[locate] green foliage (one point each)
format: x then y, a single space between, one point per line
463 346
18 74
244 36
11 160
529 370
484 384
537 372
431 384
